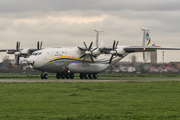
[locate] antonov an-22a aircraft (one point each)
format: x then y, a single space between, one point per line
88 61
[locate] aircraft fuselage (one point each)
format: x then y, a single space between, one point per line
56 60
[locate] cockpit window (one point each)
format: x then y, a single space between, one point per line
36 53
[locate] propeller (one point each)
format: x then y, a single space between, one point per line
88 52
19 53
113 52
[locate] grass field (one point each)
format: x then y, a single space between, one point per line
90 101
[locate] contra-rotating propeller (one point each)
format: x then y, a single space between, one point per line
88 52
24 52
113 51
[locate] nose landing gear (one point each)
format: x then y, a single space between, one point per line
44 76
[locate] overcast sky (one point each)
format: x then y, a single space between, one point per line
70 22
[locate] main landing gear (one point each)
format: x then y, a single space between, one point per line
65 75
88 75
71 75
59 75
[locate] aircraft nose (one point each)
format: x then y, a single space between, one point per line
30 61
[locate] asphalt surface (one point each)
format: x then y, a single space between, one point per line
88 80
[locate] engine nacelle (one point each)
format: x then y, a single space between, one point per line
96 52
18 53
120 50
25 51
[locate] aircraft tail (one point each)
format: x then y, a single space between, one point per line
99 38
146 42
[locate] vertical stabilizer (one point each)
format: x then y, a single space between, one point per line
99 38
146 42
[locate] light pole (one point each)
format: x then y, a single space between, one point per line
163 56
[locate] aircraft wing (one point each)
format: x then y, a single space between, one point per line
130 49
23 51
12 51
146 49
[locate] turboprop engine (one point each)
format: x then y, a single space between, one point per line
96 52
91 52
22 52
118 51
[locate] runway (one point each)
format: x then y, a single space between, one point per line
88 80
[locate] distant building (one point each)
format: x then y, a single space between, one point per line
154 57
133 60
127 69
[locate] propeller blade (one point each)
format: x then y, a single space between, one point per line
92 59
85 45
17 59
41 45
83 60
114 45
110 59
82 56
80 48
90 46
37 45
17 47
95 49
117 43
93 56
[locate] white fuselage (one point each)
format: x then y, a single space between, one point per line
58 59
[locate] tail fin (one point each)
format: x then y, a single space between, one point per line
146 37
146 42
99 38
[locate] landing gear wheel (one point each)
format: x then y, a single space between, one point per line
58 75
42 76
72 75
67 75
81 75
86 76
45 76
62 75
95 75
90 76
